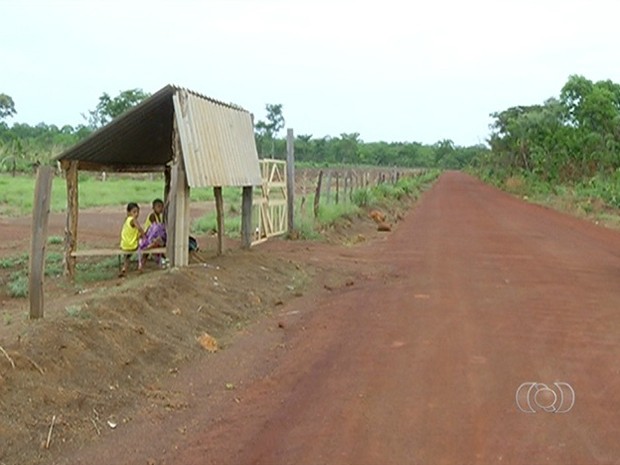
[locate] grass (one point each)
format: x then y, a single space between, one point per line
208 223
55 240
380 196
17 193
13 262
18 285
596 198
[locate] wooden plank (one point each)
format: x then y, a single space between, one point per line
317 194
71 177
115 252
219 211
246 217
290 178
40 220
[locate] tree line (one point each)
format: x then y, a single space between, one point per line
569 138
23 147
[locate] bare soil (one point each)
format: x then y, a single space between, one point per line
405 348
107 351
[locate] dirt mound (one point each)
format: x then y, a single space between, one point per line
88 366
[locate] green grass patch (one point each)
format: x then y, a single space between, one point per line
330 214
380 196
13 262
18 285
55 240
100 270
208 223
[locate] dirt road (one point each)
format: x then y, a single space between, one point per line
417 363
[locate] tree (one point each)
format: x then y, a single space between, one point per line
109 108
269 129
7 107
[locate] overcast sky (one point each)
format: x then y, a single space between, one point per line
390 70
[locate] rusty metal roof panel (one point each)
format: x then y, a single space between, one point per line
217 142
217 138
140 137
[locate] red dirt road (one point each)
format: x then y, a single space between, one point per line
419 362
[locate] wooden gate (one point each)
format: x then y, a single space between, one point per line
269 203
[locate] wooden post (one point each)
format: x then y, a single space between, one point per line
71 177
304 192
328 189
219 208
40 217
246 217
337 188
317 194
351 186
290 179
167 179
346 184
178 216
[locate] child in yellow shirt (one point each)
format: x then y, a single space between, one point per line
130 234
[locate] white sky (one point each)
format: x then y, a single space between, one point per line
391 70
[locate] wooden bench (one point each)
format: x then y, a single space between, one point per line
115 253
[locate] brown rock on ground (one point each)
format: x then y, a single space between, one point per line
377 216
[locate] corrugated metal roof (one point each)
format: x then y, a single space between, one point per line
217 141
219 138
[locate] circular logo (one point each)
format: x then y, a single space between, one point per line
533 397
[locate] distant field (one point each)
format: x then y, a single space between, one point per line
17 194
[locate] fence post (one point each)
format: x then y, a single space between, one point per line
328 190
246 217
317 195
290 179
219 207
337 187
40 217
71 177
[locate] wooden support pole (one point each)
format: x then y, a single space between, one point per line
246 217
219 208
317 194
171 215
346 185
167 180
177 227
40 217
290 180
177 242
71 177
